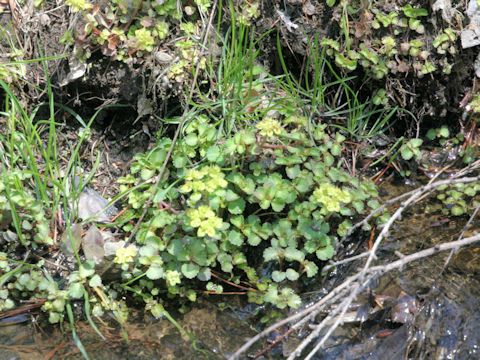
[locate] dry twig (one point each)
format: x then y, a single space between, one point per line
344 294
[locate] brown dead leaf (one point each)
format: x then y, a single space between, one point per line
363 25
147 21
113 41
92 245
403 67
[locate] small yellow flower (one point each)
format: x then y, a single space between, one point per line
209 226
172 277
208 178
194 174
144 39
331 197
205 220
78 5
125 255
269 127
198 186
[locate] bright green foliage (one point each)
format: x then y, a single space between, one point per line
380 97
203 5
445 41
331 2
144 39
33 280
19 205
459 199
440 133
384 42
273 189
411 149
413 12
78 5
126 29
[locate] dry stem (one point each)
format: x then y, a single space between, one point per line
345 293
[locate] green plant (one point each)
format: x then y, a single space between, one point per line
445 41
459 199
411 149
272 189
33 191
240 79
413 13
442 133
380 97
385 20
129 30
386 40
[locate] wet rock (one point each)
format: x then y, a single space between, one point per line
111 247
71 240
470 36
404 310
93 206
92 245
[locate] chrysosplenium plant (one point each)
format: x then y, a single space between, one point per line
261 209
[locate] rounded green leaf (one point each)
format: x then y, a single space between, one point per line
270 254
95 281
292 254
325 253
155 272
87 269
236 207
235 238
190 270
76 291
311 268
213 153
278 276
146 173
292 275
191 139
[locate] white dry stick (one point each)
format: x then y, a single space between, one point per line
305 314
344 261
475 212
383 269
289 24
411 200
344 305
361 280
398 264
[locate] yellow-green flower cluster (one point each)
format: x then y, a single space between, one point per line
203 5
269 128
205 220
144 39
172 277
78 5
161 29
125 255
207 179
331 197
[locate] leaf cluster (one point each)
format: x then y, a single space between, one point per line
261 208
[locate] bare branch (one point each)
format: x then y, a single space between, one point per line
347 292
